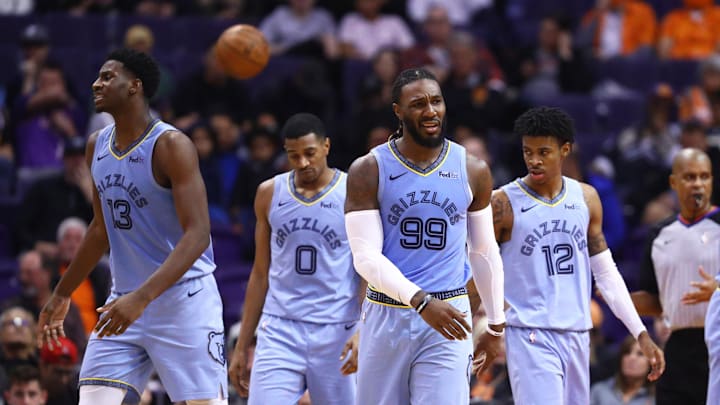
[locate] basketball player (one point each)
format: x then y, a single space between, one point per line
150 209
550 235
412 205
676 249
303 290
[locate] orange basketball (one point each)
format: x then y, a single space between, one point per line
242 51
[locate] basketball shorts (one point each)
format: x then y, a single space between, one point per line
180 335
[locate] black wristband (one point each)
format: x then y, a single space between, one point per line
426 299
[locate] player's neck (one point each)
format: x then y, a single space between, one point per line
419 155
130 125
548 189
310 189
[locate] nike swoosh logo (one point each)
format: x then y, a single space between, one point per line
99 158
525 209
350 326
281 203
190 294
396 177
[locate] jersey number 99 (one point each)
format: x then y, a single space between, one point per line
431 233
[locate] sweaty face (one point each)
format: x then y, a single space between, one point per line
422 112
543 156
112 87
307 155
692 181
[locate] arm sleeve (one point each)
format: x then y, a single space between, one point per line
486 264
365 236
614 291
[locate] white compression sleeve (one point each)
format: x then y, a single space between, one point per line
365 235
615 292
486 263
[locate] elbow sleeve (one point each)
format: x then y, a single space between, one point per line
486 263
365 236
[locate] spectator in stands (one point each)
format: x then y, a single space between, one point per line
94 290
35 276
476 145
18 345
433 50
205 141
469 91
263 162
690 32
44 118
364 31
555 66
59 372
140 38
647 147
301 28
208 90
619 28
34 52
461 12
695 103
25 387
230 151
52 199
630 386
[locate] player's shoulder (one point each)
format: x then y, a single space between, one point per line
589 192
364 165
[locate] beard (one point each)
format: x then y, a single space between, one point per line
428 142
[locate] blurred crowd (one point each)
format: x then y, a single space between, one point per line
338 59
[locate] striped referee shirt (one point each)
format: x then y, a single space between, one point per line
675 250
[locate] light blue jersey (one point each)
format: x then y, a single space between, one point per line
424 216
180 334
547 277
311 276
140 217
402 359
312 306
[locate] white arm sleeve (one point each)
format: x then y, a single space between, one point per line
365 236
486 264
615 292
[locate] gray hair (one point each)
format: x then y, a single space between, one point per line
70 223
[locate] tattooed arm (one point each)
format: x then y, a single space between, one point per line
502 216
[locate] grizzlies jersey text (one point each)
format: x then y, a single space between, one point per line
424 216
140 217
547 266
311 276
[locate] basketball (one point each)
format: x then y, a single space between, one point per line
242 51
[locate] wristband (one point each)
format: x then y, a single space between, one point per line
426 299
493 332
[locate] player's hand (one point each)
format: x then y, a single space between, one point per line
703 289
654 354
116 316
50 321
351 346
446 319
240 372
487 348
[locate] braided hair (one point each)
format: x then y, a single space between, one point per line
406 77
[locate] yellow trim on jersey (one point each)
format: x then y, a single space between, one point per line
565 192
439 165
139 142
327 192
111 381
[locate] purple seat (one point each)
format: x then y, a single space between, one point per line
581 108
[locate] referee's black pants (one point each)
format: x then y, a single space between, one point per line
686 369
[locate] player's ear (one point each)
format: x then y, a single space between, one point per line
396 110
565 149
135 86
326 143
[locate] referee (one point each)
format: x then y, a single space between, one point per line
682 250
